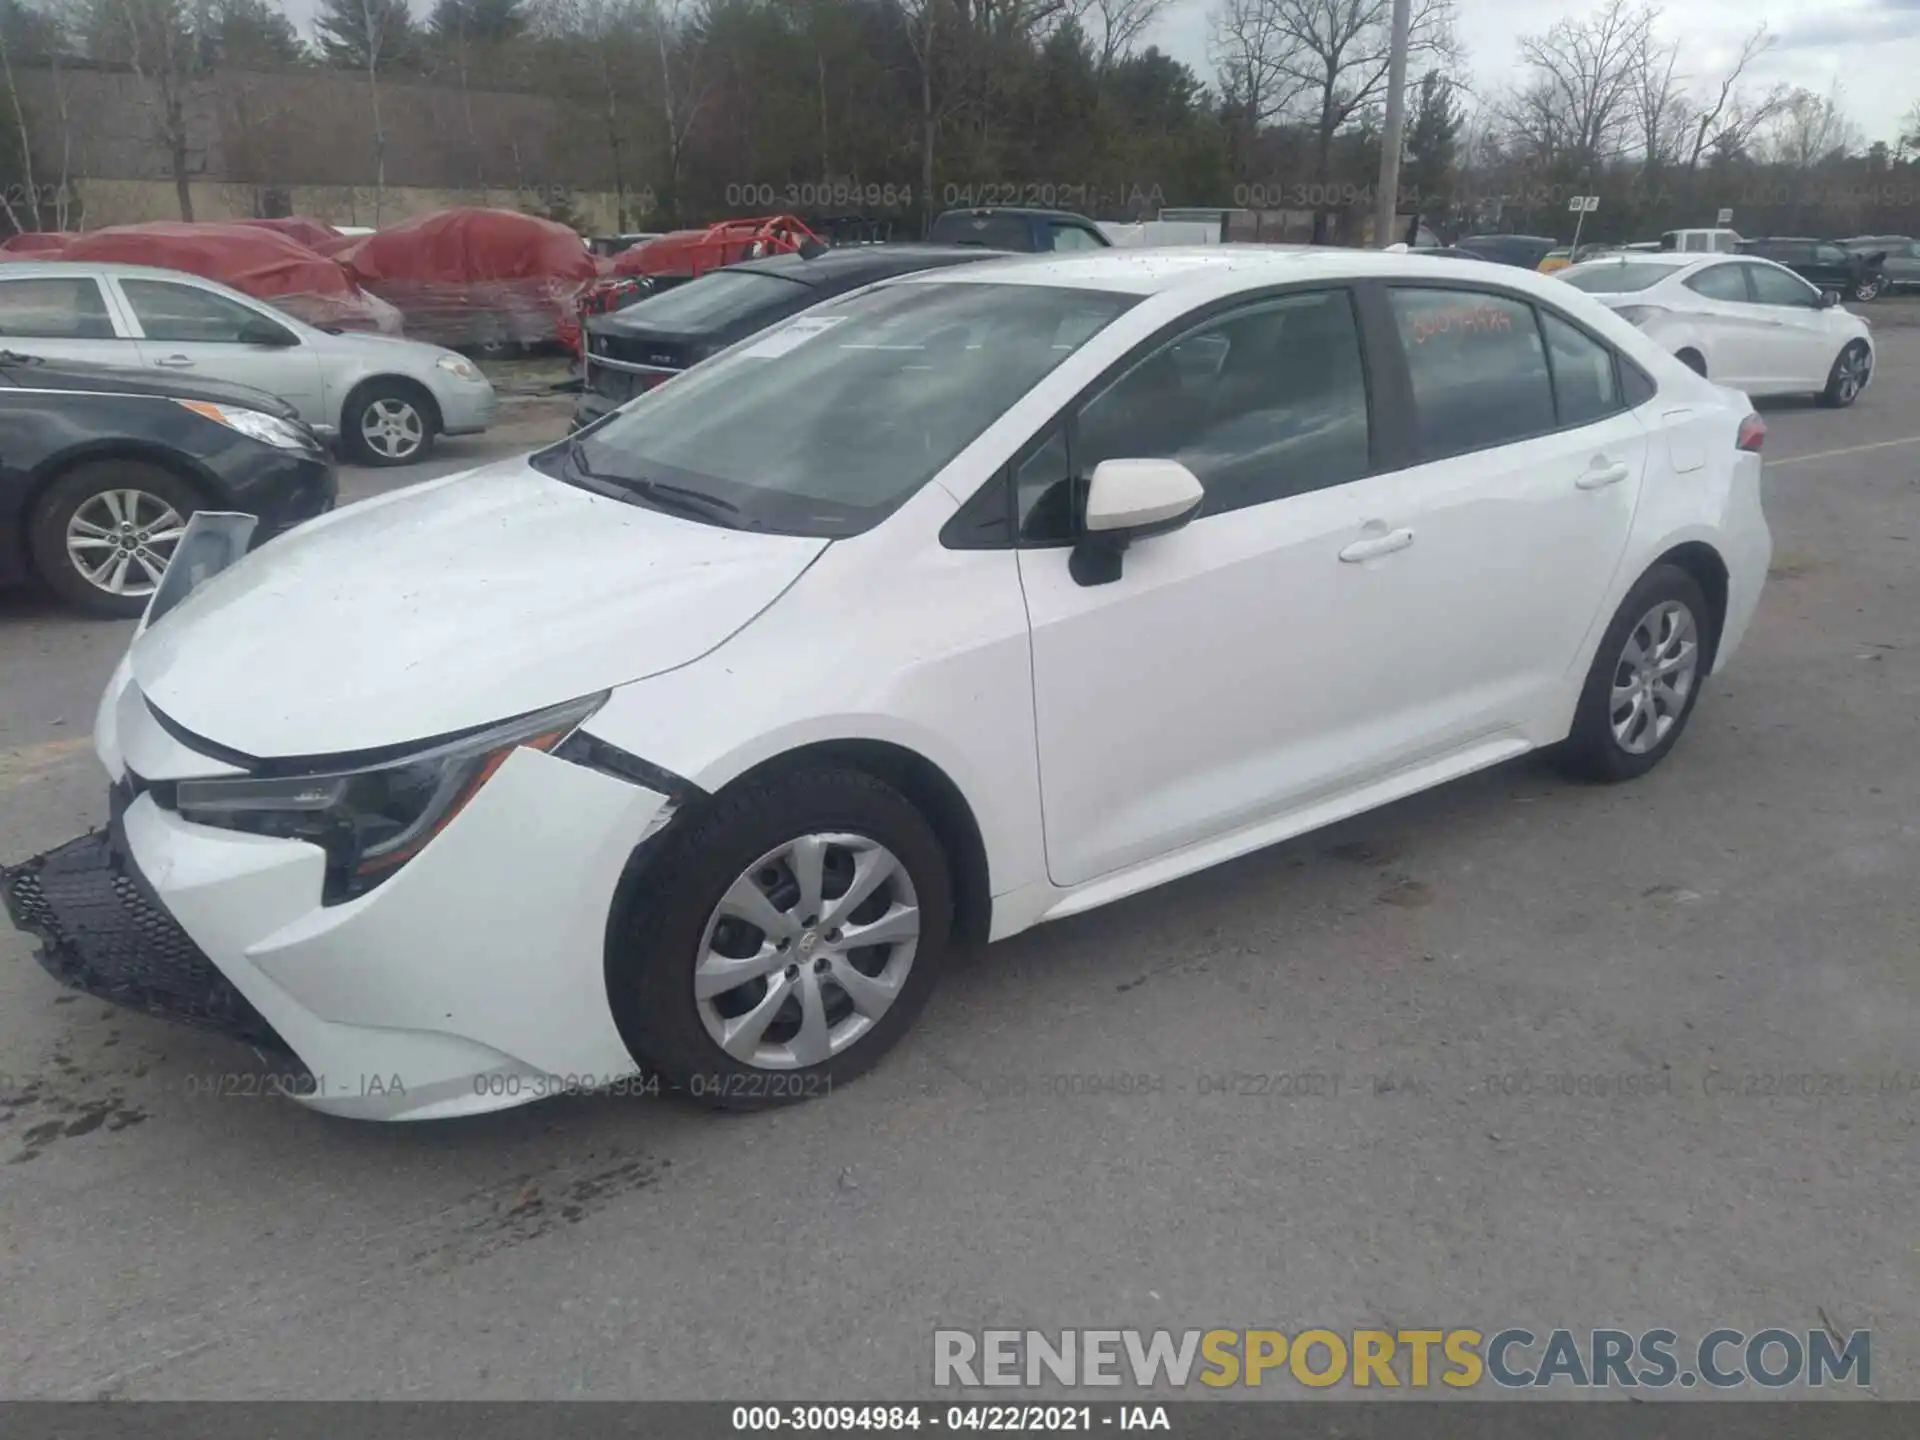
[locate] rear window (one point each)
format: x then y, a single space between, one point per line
714 301
996 232
1601 278
65 307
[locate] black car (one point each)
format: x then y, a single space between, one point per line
101 466
631 350
1012 228
1524 251
1825 264
1902 264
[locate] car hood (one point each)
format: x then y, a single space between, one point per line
126 380
448 605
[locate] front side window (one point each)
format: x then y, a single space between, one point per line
1073 237
187 315
1583 379
822 425
63 307
1478 368
1772 286
1696 241
1720 282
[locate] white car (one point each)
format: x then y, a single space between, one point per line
974 599
1746 322
385 399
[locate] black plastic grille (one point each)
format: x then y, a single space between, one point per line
102 934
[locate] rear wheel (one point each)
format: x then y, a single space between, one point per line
104 532
783 942
1645 678
1851 371
1869 287
1693 360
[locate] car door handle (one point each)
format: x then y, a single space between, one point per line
1602 476
1374 545
175 362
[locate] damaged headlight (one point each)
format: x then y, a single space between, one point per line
370 820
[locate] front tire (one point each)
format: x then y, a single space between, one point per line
1852 368
783 941
102 535
387 423
1870 287
1644 682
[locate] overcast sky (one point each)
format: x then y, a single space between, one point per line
1871 46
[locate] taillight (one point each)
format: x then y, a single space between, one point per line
1753 434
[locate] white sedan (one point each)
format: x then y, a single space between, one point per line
691 747
1743 321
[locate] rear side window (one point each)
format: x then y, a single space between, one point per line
1478 367
1583 380
1608 277
1073 237
1720 282
63 307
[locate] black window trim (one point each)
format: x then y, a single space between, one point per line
1398 360
964 529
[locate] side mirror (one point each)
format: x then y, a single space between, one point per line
262 331
1829 299
1129 500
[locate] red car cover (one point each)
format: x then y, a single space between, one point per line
475 277
308 231
45 243
257 262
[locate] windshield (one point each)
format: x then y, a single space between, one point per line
996 232
822 425
712 302
1605 279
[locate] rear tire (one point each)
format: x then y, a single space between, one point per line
1870 287
743 855
1852 368
102 534
1693 360
1626 720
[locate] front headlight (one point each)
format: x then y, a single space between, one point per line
254 424
458 365
370 820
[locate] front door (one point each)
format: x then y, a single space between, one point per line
1803 348
191 331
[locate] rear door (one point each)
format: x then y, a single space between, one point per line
193 331
63 317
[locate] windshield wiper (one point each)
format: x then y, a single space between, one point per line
657 492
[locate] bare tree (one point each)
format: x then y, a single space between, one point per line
684 84
1577 107
1117 25
1659 103
607 35
367 35
1810 128
1724 126
926 27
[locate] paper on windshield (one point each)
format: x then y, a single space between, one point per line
791 336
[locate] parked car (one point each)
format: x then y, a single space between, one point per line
631 350
1562 256
1523 251
1825 264
1740 320
1018 230
707 735
100 469
1901 266
384 399
1706 240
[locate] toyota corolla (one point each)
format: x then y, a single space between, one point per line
693 746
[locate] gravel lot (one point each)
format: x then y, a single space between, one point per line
1750 910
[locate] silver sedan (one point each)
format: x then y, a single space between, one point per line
384 399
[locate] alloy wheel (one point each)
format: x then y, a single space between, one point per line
1855 367
393 429
806 951
1654 677
121 540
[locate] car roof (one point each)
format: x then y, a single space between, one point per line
1153 270
1018 210
877 260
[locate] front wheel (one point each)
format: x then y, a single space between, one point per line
1870 287
103 534
1645 678
387 423
1849 376
784 941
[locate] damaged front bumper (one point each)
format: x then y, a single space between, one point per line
102 932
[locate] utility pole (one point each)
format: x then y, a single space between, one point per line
1386 203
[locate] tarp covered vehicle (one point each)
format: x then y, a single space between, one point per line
258 262
474 279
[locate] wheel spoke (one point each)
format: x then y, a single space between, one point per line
900 923
87 527
747 901
814 1040
870 870
89 542
146 563
808 857
1682 659
871 996
717 974
112 500
116 580
742 1036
